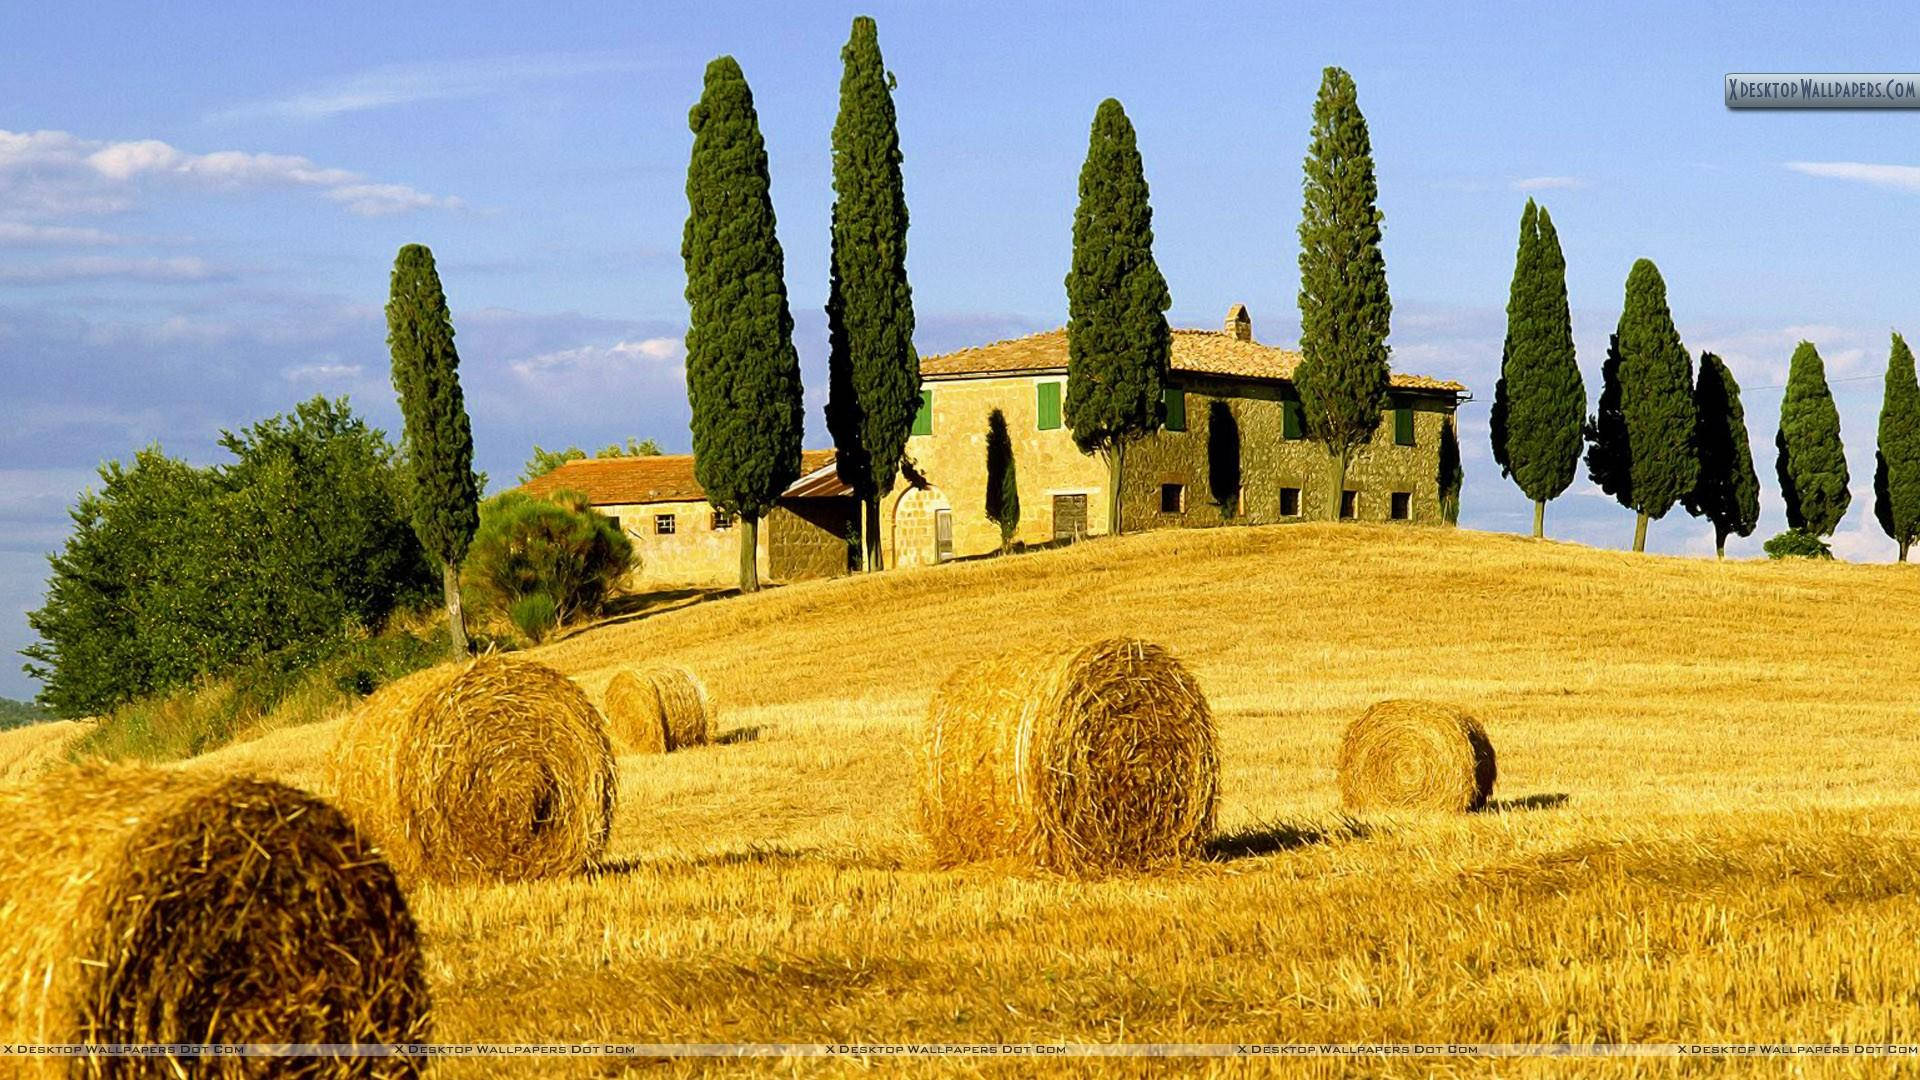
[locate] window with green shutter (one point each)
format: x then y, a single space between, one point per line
1047 405
1176 400
923 420
1290 420
1403 426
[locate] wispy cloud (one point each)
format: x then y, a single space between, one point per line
51 173
105 267
1897 177
642 355
406 84
1548 183
14 234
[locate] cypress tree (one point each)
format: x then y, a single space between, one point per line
1453 474
1812 463
1727 492
444 500
743 375
1117 337
1896 475
873 370
1642 450
1003 481
1539 402
1344 307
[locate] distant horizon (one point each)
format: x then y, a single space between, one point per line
195 239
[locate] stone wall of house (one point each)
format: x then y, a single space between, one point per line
953 462
694 553
1222 414
810 538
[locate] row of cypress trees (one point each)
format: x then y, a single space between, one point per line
1661 436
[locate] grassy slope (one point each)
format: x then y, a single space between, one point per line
1708 772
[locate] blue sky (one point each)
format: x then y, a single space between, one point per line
199 204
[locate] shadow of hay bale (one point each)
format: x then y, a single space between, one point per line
1526 802
737 735
1259 840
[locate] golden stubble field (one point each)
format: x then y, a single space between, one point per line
1707 824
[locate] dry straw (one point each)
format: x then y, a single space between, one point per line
1415 755
1077 759
155 906
633 715
492 770
668 696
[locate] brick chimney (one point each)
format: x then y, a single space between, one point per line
1239 323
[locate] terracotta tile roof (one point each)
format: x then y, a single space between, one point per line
1201 352
656 478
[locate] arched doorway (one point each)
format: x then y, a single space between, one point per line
922 527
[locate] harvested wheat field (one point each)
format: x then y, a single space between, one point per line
1707 823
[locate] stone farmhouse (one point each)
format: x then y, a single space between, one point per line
1234 448
680 539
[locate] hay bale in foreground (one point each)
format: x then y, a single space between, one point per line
150 906
634 716
1415 755
1077 759
493 770
674 698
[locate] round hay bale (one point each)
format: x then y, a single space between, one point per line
151 906
492 770
1076 759
634 717
1415 755
680 702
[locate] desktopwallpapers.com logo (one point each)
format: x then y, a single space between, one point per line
1814 90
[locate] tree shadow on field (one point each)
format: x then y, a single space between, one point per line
737 735
1526 802
1272 839
633 607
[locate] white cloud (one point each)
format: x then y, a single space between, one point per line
1548 183
405 84
323 372
630 356
101 267
1897 177
17 234
49 173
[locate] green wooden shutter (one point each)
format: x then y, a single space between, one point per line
1290 420
1176 399
1047 405
1403 426
923 420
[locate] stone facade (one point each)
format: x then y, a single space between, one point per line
694 553
810 538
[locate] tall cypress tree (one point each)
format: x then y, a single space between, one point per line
1539 402
1727 492
1896 475
1344 308
1453 475
1642 450
1117 337
743 375
1812 463
445 495
873 371
1003 480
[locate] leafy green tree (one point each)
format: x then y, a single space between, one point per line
1896 474
1453 475
545 561
872 368
445 496
1003 480
1797 544
15 714
544 461
1539 403
1641 441
1118 343
632 448
743 375
1344 308
1727 492
1812 464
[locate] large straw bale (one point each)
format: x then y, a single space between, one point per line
634 717
1415 755
1077 759
154 906
671 696
498 769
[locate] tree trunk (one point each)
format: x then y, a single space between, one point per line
1539 519
875 558
456 617
1115 460
1339 496
749 553
1904 545
1719 543
1640 532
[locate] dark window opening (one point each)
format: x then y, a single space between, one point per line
1349 503
1402 506
1290 502
722 520
663 524
1173 498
